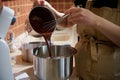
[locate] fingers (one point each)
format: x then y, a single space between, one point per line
74 17
42 2
73 10
39 2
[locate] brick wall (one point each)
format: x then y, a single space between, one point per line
61 5
22 8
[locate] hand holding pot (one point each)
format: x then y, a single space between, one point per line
42 3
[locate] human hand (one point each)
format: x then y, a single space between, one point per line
42 3
81 16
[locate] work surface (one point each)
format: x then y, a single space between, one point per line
21 68
33 77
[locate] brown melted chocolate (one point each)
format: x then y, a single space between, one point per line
39 18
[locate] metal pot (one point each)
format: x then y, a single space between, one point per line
40 21
27 50
57 67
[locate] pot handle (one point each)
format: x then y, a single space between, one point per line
35 51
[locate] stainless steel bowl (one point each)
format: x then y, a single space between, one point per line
27 50
57 67
41 20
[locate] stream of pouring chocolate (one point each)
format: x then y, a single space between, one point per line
39 17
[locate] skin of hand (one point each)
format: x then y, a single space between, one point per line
89 19
41 3
81 16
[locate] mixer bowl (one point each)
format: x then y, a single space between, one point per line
57 67
42 20
27 50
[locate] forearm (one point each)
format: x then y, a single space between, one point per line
109 29
57 13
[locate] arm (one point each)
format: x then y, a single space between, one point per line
89 19
109 29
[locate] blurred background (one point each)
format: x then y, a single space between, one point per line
22 9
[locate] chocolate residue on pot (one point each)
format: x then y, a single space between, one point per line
42 21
